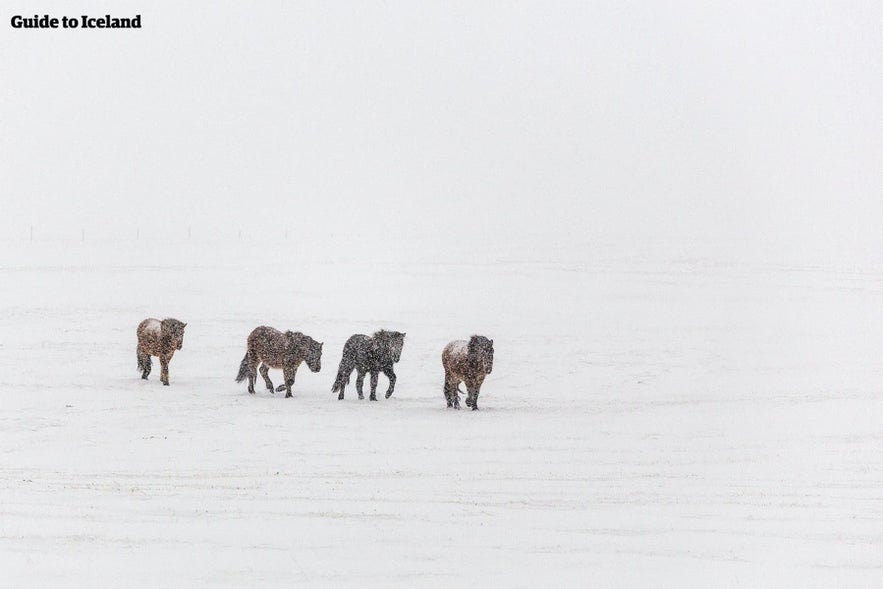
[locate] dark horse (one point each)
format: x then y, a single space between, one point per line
273 349
467 362
158 338
369 354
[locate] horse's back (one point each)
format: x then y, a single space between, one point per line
357 341
261 334
455 352
356 349
150 327
269 344
149 334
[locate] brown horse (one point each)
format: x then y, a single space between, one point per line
467 362
158 338
273 349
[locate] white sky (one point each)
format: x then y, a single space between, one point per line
754 122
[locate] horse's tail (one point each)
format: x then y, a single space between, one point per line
347 364
243 369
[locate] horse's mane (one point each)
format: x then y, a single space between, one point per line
384 344
302 339
172 324
384 335
481 349
479 341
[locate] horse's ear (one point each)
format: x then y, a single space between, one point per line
321 344
492 342
404 334
185 325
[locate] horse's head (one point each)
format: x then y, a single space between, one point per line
174 330
397 342
482 349
313 356
391 342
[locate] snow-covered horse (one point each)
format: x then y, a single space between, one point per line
158 338
369 354
273 349
467 362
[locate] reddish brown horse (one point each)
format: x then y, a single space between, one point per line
467 362
158 338
273 349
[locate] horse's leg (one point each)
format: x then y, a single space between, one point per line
265 372
288 374
476 389
373 396
146 364
392 381
451 384
360 380
470 392
164 369
472 395
252 370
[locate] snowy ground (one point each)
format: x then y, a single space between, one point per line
668 421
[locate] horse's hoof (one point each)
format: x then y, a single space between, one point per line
361 397
468 402
280 388
340 397
475 407
288 395
389 394
143 377
372 398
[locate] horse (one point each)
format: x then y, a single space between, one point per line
273 349
467 362
369 354
158 338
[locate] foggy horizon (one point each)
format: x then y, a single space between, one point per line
568 122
